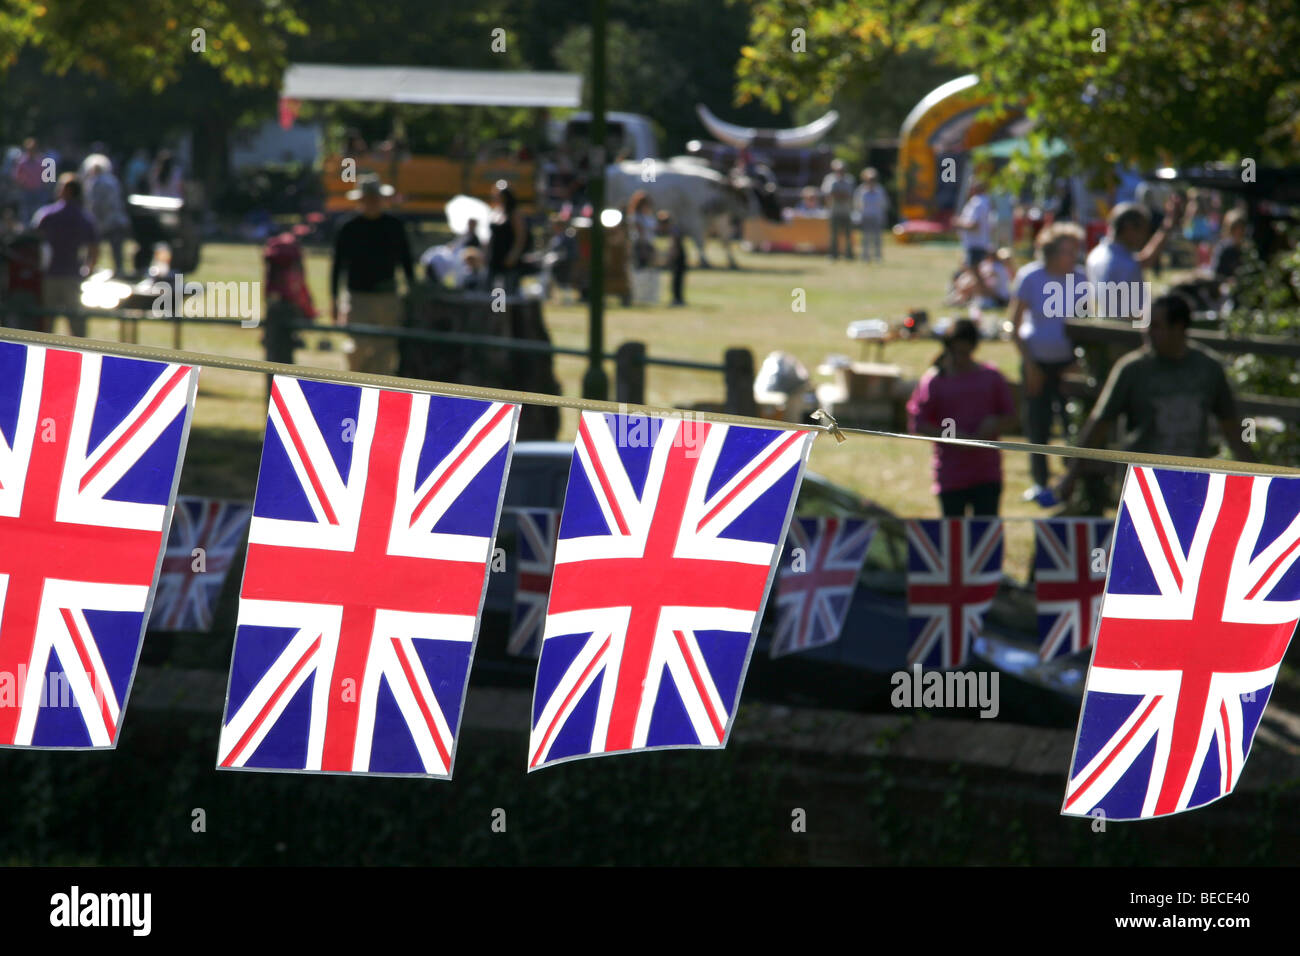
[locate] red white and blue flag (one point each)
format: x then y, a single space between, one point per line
1202 600
819 573
668 544
954 567
367 562
90 450
201 548
1071 556
535 533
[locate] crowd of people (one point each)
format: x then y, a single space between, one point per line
33 185
1170 394
850 207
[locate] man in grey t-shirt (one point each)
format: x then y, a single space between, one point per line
1166 393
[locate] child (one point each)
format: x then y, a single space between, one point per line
676 256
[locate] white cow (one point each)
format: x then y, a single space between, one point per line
703 202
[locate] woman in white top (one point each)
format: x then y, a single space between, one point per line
1045 294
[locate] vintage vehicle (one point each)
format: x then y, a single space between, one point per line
424 184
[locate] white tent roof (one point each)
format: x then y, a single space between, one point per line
417 84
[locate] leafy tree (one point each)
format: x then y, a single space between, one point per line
1268 303
149 44
1120 82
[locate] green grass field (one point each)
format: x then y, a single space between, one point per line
750 307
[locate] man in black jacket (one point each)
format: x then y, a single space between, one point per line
369 247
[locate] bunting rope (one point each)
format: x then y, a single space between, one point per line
828 427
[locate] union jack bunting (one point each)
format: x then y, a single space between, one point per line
190 582
954 566
367 561
90 450
1070 561
668 543
813 595
535 539
1202 599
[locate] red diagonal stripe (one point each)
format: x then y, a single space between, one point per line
134 427
745 482
79 642
1114 752
421 702
270 704
601 477
559 714
303 456
465 453
699 683
1159 526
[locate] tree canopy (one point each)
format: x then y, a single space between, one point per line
149 43
1191 80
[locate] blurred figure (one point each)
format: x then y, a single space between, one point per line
1129 247
165 176
29 177
959 397
810 204
642 224
369 248
975 224
676 256
837 190
1166 392
286 280
1226 258
873 208
67 230
1039 311
105 204
508 241
136 175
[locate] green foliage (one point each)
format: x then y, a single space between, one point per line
1268 303
148 45
643 78
1191 80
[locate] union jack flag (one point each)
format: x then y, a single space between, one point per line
535 531
813 600
90 450
188 590
1202 599
1070 561
367 562
666 551
954 566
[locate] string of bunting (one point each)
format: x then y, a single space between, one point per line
829 426
371 540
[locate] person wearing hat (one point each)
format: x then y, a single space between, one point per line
368 248
961 398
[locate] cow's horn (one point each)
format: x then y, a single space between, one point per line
743 136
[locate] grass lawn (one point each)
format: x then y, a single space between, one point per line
751 307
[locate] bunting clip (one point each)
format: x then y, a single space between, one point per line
831 426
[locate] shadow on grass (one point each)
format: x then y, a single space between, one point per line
221 463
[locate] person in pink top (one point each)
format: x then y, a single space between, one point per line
962 398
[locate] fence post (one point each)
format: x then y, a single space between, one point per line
278 334
277 338
629 373
738 370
